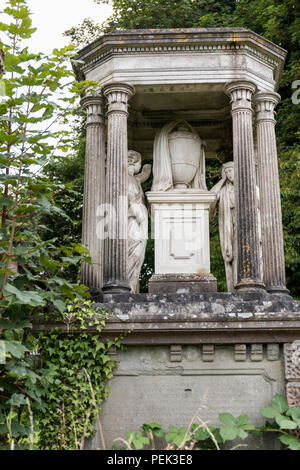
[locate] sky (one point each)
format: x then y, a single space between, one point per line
52 18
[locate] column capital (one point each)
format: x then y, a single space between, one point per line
240 92
94 107
117 95
266 102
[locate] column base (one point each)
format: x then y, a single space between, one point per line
250 286
182 283
116 287
278 290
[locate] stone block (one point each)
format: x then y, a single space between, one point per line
148 386
182 283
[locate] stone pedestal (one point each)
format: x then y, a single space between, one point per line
180 228
211 352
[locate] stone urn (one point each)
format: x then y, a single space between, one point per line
185 152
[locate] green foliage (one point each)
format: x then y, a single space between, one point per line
38 91
80 366
203 437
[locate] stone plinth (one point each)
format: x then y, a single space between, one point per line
180 228
227 352
182 283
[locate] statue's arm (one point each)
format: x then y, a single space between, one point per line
145 173
215 190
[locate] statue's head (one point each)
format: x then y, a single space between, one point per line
134 162
228 171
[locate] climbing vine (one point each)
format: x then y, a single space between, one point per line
80 366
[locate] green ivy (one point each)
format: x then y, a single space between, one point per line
81 366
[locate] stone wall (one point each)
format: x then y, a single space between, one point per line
170 385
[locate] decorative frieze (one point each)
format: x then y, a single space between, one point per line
97 59
175 353
240 352
113 353
292 372
208 352
273 352
256 354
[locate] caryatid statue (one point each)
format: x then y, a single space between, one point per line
137 218
224 191
178 158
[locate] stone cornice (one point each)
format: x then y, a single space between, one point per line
191 40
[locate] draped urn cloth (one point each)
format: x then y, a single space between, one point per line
163 174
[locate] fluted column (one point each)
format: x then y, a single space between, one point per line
249 274
116 243
270 204
94 191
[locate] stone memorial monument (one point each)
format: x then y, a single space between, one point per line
180 97
180 212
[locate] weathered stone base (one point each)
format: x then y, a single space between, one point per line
215 352
182 283
171 385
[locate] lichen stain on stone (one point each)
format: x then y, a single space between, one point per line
235 37
245 315
123 317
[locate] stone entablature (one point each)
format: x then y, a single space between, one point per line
234 53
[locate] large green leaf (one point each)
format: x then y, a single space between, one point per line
228 433
292 442
227 419
25 297
285 423
15 348
280 403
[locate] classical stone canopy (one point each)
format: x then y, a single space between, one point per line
211 81
180 73
178 98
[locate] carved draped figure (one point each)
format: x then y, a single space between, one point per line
137 220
